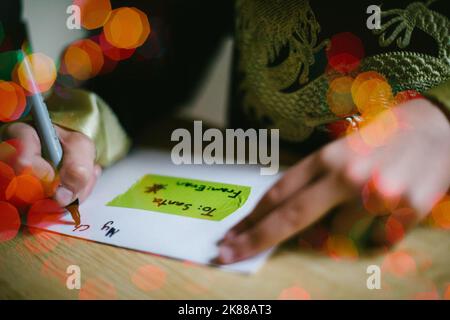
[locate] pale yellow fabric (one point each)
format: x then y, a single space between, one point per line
85 112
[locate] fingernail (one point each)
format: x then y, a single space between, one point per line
63 196
226 254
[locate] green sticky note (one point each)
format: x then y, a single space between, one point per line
184 197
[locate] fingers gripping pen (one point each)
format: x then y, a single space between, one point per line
51 146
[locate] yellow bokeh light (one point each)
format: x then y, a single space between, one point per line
127 28
44 72
339 96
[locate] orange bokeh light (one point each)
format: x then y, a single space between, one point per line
294 293
373 96
441 213
9 221
94 13
41 241
83 60
127 28
44 72
13 101
363 77
447 293
149 278
24 189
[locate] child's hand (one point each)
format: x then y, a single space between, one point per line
413 166
78 172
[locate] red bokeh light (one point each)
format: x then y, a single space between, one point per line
346 52
9 221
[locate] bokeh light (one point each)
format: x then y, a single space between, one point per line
13 101
441 213
375 202
94 13
149 278
356 143
24 190
10 150
112 52
6 175
345 52
40 241
337 129
294 293
45 213
339 96
83 60
378 128
395 230
9 221
399 263
373 96
341 247
447 292
44 72
427 295
97 289
127 28
54 267
407 95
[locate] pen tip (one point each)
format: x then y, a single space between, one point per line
73 208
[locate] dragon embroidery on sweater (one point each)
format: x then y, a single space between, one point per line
267 27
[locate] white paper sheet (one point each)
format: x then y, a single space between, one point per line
161 233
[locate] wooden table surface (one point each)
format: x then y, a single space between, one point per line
33 266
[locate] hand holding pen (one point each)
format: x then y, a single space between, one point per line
47 149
